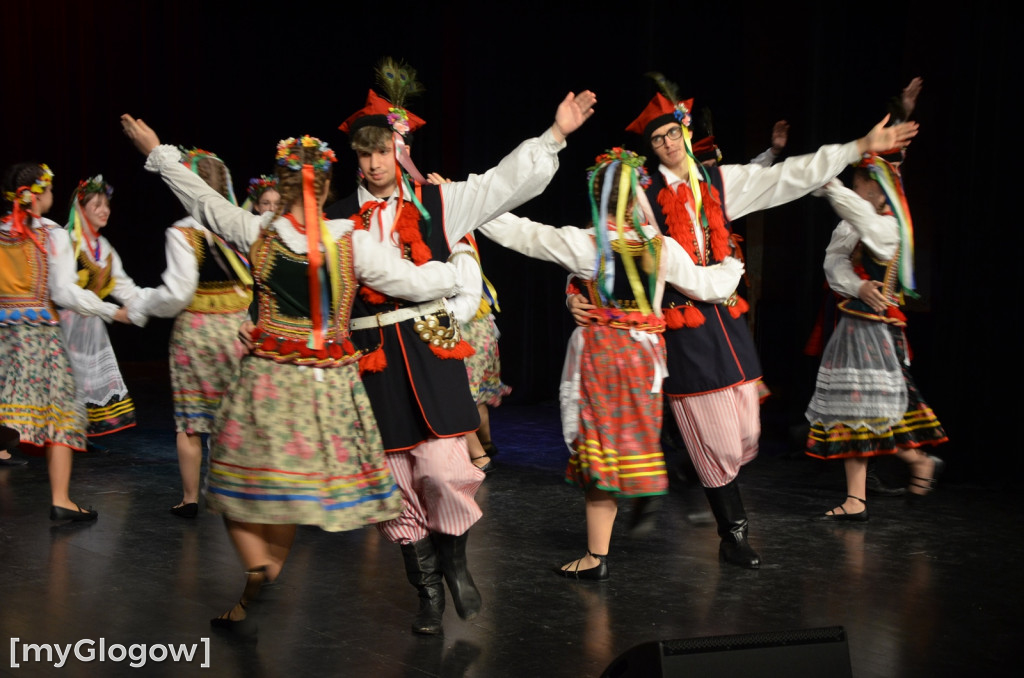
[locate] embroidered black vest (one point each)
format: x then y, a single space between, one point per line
418 395
720 353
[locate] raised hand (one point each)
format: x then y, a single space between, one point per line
882 138
780 135
909 95
574 110
144 138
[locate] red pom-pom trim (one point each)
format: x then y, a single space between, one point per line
375 361
461 351
692 317
739 308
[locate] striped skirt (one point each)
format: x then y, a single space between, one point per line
618 448
37 387
299 445
852 413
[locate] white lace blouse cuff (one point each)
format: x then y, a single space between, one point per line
161 156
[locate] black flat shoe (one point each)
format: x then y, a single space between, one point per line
79 515
12 461
247 626
926 484
596 573
186 510
486 468
840 515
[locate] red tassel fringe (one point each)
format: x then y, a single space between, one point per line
374 361
739 308
692 317
461 351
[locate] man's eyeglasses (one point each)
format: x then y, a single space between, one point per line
658 140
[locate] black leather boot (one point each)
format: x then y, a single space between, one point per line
424 572
451 551
727 505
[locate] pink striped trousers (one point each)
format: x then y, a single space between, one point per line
438 483
721 430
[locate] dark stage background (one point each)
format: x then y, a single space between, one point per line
232 79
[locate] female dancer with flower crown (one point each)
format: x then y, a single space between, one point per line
263 195
865 402
296 441
611 391
101 388
207 288
37 387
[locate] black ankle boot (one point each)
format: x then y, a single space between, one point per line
424 572
727 505
451 551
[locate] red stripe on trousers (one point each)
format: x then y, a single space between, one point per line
721 431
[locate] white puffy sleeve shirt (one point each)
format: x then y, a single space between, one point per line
373 263
575 250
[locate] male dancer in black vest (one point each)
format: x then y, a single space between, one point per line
412 368
712 363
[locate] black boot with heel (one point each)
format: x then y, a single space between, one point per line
424 572
727 505
451 551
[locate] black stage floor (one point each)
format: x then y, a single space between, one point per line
928 592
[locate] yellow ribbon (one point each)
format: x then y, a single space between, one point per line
627 259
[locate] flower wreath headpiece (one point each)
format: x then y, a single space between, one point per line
260 185
24 194
83 232
288 156
94 184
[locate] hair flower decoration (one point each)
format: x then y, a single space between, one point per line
261 184
398 119
287 155
626 157
38 187
94 184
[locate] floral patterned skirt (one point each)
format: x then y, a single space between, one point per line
618 448
300 445
205 353
865 401
37 387
484 366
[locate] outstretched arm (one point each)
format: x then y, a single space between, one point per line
520 176
238 226
749 188
571 248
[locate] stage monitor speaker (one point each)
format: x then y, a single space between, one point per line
804 653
